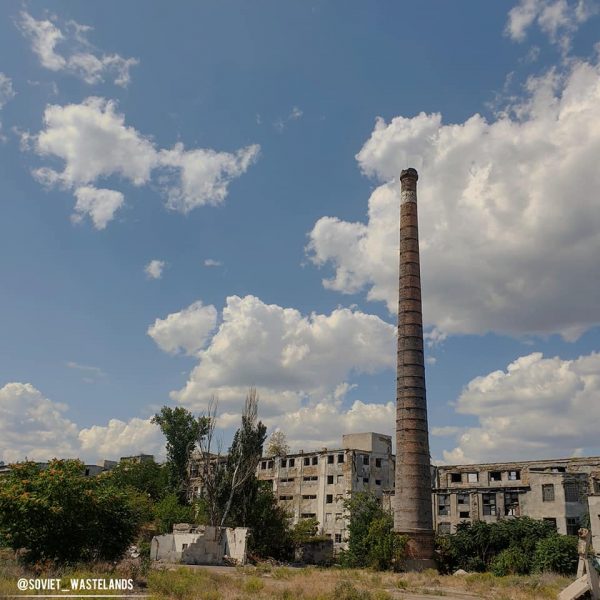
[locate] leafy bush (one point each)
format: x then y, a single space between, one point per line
557 553
58 514
511 561
372 541
170 511
475 545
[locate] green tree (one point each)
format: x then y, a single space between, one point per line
182 431
58 514
304 530
170 510
145 476
372 541
557 553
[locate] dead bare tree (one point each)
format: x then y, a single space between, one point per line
223 477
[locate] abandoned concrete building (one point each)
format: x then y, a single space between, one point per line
552 490
315 484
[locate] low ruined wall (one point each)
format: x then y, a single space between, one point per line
209 547
318 552
594 505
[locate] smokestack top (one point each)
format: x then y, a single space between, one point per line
409 173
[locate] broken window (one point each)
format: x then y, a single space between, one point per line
365 480
328 517
306 461
263 465
462 499
286 480
292 462
283 463
495 476
340 458
548 492
270 464
489 504
308 515
572 525
329 499
286 497
365 459
558 470
464 514
378 463
444 528
511 504
338 538
550 520
378 482
472 477
330 459
596 486
315 460
455 477
571 492
514 475
309 496
329 479
184 546
443 504
310 478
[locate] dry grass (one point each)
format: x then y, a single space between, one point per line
266 582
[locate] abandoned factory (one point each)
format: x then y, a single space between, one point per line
316 483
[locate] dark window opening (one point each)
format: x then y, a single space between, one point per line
548 492
444 528
489 504
338 538
464 514
550 520
366 459
572 525
462 499
443 502
511 504
306 461
283 463
455 477
330 459
571 492
292 462
340 458
495 476
329 479
378 463
378 482
315 460
329 499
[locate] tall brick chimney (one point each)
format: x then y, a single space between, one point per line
412 510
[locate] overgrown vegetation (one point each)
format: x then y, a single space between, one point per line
58 514
372 541
507 547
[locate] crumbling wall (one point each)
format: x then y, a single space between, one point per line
315 552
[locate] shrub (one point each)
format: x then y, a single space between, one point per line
170 511
60 515
511 561
557 553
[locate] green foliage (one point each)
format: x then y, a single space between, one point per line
269 525
169 511
372 541
475 546
304 530
182 431
557 553
145 476
511 561
58 514
386 548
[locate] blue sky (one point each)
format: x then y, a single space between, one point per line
266 139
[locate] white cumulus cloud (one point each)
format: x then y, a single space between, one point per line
537 408
187 330
99 204
77 56
93 142
508 214
293 360
35 427
559 19
154 269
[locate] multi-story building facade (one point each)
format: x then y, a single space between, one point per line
315 484
552 490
